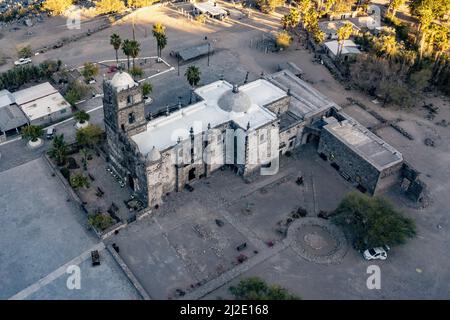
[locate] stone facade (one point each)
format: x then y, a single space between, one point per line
249 150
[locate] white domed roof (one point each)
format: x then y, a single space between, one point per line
153 155
235 101
122 80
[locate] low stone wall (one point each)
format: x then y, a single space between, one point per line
131 277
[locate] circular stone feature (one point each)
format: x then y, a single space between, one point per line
35 144
80 125
317 240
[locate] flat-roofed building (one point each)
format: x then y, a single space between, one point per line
359 155
42 104
12 119
348 51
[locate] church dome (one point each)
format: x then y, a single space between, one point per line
153 155
235 101
122 81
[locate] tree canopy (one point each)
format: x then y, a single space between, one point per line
109 6
256 289
57 7
89 136
372 221
193 75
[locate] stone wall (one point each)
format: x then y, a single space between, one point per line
351 166
415 189
291 138
279 106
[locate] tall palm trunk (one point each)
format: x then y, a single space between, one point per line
128 62
117 56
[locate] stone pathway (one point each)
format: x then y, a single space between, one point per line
335 255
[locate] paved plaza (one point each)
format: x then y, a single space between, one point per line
40 232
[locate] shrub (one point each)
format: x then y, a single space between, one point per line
283 39
72 163
135 71
79 181
100 221
65 173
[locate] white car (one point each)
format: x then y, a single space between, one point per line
379 253
22 61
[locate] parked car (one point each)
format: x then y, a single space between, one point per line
50 133
379 253
22 61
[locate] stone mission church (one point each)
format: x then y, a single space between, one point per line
243 127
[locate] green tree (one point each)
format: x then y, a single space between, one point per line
78 180
193 75
140 3
90 70
291 20
59 150
134 48
268 6
386 46
81 116
32 132
343 33
100 221
57 7
256 289
116 42
127 50
420 79
147 88
89 136
372 222
394 5
159 32
24 52
109 6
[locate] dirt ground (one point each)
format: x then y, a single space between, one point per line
427 253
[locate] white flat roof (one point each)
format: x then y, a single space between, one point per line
210 8
348 47
44 106
360 139
163 132
33 93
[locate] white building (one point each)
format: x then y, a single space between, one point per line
349 50
42 104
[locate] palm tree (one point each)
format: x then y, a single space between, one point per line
343 34
193 77
162 42
135 48
116 41
126 48
59 150
32 132
147 88
81 116
158 32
